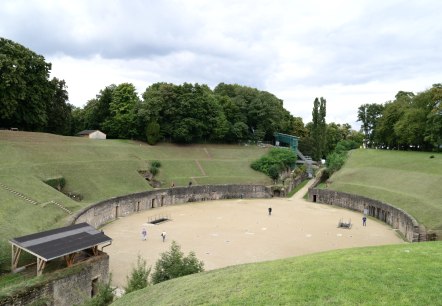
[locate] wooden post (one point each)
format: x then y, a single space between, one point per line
95 250
15 257
70 259
40 266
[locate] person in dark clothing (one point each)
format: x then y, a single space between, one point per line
270 211
364 221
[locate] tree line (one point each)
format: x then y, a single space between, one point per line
186 113
410 121
29 99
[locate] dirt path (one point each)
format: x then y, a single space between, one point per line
230 232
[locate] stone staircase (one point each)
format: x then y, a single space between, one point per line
18 194
66 210
31 201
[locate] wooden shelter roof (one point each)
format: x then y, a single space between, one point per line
62 241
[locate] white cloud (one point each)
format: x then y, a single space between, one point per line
349 52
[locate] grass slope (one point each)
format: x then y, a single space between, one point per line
408 180
388 275
99 170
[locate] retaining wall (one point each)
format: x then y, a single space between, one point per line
110 209
63 288
387 213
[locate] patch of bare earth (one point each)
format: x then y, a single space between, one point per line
231 232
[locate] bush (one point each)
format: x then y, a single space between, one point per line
56 182
173 264
275 161
104 297
335 161
139 276
346 145
274 172
155 163
154 170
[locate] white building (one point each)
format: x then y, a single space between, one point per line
92 134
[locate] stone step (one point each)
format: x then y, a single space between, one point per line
18 194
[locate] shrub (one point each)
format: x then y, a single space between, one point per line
335 161
56 182
346 145
274 172
275 161
155 163
139 276
173 264
154 170
104 297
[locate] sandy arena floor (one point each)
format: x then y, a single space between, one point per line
231 232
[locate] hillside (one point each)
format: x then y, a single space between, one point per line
408 180
387 275
98 170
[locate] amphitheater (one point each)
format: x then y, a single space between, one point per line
236 231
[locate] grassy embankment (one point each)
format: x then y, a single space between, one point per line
408 180
99 170
387 275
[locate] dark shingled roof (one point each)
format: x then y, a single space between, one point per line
62 241
86 132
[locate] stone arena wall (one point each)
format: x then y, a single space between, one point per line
64 289
387 213
110 209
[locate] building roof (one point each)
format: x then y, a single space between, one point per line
62 241
87 132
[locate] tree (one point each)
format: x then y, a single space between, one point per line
139 277
368 115
122 121
334 135
25 88
385 135
173 264
153 133
319 126
298 128
59 112
433 133
410 128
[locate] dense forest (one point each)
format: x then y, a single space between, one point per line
195 113
410 121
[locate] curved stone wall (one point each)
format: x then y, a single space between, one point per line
110 209
391 215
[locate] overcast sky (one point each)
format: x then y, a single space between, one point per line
349 52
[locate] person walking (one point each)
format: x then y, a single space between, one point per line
143 234
364 221
270 211
163 234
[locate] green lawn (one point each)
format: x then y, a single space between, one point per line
408 180
407 274
100 170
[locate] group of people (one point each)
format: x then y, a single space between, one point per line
144 234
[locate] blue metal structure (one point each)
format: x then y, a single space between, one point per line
291 140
